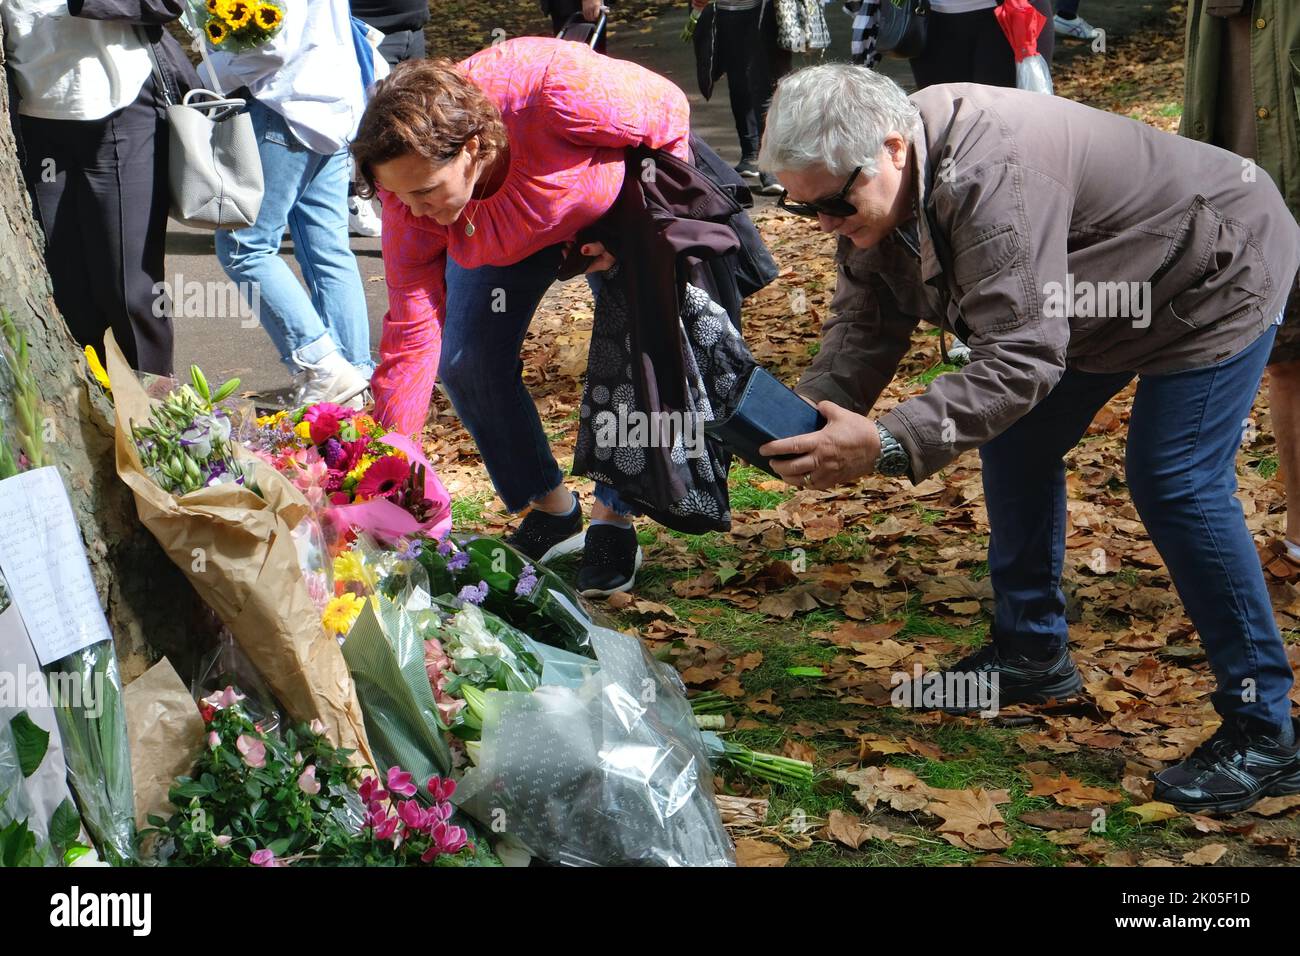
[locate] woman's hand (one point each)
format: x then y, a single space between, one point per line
843 451
591 10
604 258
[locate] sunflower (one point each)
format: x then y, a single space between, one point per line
342 612
214 6
238 14
268 16
216 31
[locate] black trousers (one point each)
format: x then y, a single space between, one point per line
403 45
753 64
100 192
971 48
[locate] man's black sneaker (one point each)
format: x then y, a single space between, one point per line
609 561
748 167
987 680
1231 771
543 536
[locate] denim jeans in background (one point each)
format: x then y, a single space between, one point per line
1183 437
307 192
482 370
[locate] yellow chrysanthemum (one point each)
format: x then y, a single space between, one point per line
357 473
303 430
96 368
239 14
216 32
342 612
266 421
349 567
268 16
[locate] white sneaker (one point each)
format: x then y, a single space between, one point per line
333 379
1079 28
362 218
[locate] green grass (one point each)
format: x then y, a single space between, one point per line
1267 467
1171 109
467 509
745 493
933 372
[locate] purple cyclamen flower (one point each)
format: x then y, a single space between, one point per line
527 581
474 594
458 561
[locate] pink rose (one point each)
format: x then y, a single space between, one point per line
253 751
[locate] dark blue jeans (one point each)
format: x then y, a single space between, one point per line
488 312
1180 462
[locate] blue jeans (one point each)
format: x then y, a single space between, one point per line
487 315
307 192
1180 463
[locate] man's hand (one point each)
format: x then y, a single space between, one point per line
591 10
843 451
699 4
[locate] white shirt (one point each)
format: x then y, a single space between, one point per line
308 73
961 6
71 68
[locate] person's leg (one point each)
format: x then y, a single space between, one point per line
1069 9
488 313
1184 435
952 40
318 222
735 52
992 61
55 151
251 256
1284 406
1024 492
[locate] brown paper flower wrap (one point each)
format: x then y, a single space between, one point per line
235 546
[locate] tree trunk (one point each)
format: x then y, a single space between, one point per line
151 608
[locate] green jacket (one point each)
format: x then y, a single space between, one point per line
1275 74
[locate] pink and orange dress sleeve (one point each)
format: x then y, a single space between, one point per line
415 265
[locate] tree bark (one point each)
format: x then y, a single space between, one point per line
150 606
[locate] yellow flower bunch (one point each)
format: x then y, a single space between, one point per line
342 612
266 421
357 473
349 568
303 430
97 368
241 24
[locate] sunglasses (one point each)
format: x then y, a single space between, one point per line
837 205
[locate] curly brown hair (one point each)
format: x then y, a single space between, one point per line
428 108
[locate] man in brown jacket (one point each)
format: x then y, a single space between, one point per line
1071 249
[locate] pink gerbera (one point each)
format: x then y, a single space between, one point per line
385 477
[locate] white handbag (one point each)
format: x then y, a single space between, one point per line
214 167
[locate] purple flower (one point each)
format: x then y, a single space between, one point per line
412 550
474 594
444 547
527 581
458 561
334 452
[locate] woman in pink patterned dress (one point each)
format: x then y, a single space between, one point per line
487 170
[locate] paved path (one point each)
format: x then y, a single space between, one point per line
224 346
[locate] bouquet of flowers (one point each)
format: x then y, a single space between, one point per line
186 444
353 471
259 799
239 25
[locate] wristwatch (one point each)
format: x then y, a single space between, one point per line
894 460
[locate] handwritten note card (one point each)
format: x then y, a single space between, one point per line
43 560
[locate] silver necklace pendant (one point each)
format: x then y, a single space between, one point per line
469 229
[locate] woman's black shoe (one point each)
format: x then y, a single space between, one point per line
609 561
543 536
